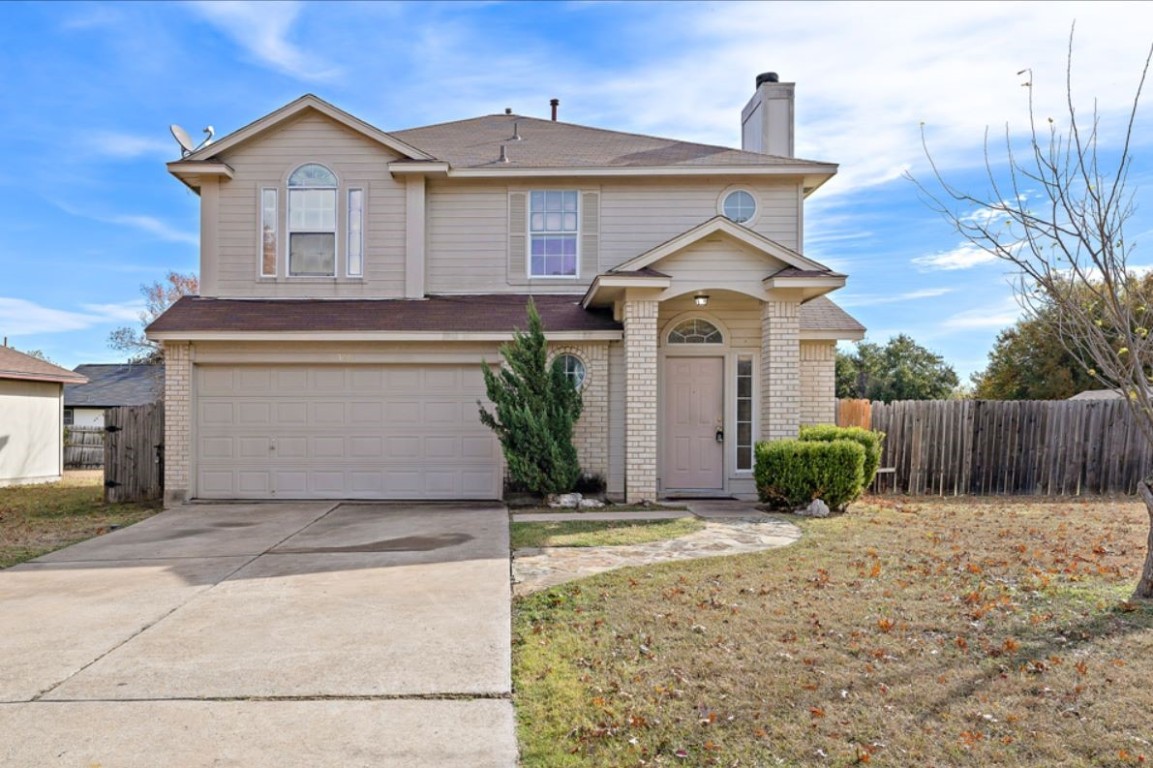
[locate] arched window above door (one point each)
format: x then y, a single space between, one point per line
696 330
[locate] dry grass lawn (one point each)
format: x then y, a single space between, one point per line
36 519
599 533
969 632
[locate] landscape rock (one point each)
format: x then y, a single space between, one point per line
564 500
591 504
817 508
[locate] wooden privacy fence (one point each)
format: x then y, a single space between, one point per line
134 453
854 413
1047 447
83 447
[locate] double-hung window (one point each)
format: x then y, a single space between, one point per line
554 228
312 222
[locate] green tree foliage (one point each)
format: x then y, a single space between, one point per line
1034 360
158 296
1029 362
535 407
900 370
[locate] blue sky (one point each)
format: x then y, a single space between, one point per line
88 211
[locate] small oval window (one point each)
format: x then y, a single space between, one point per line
574 369
696 331
739 206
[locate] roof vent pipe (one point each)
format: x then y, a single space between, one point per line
503 154
516 130
554 103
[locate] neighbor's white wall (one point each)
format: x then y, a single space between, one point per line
88 417
31 431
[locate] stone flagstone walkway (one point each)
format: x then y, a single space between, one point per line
537 569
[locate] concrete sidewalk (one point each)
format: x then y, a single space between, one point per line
264 635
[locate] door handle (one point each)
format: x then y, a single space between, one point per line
720 435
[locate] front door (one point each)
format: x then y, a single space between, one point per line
694 414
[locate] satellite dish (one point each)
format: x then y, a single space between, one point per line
185 141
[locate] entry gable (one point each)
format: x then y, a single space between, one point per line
776 253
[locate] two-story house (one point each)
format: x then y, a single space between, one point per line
353 281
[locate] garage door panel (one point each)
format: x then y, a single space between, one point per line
373 432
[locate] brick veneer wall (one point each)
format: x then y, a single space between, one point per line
640 319
818 382
177 420
780 369
591 432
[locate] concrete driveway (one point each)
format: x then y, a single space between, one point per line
264 635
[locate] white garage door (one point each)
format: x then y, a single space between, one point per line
343 432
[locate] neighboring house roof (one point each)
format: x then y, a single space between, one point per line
1097 394
822 315
498 313
476 143
110 386
17 365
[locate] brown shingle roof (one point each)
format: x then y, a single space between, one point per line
476 143
821 314
794 272
17 365
492 313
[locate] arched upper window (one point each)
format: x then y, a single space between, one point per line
696 331
312 175
312 222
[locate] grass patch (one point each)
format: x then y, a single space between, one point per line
599 533
37 519
959 633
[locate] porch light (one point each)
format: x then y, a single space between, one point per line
701 299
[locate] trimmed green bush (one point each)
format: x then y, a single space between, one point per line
870 441
791 473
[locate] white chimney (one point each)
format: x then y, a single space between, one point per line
767 120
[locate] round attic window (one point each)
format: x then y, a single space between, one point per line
739 206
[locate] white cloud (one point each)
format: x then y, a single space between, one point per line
125 146
128 311
1000 315
263 30
155 227
964 256
869 301
19 317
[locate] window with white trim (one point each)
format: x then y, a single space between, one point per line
355 233
744 419
696 331
554 229
69 417
573 368
312 222
739 206
268 227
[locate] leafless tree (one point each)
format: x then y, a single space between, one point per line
1056 211
158 296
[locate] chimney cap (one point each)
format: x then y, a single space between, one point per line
767 77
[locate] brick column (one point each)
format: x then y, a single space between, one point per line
818 382
640 319
780 369
177 421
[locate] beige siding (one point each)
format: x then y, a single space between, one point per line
468 238
31 438
636 216
818 382
266 162
718 262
